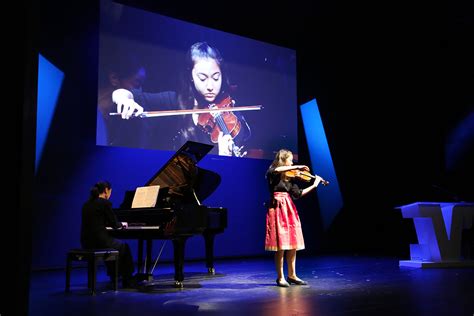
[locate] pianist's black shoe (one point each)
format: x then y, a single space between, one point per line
297 282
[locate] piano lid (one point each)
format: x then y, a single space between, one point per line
182 176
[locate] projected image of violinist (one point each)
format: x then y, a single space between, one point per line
206 109
204 85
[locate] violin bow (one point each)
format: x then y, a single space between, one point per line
194 111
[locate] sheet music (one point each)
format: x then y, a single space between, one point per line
145 196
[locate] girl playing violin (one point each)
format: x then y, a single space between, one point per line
283 226
205 85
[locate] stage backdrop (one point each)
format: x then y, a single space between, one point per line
69 160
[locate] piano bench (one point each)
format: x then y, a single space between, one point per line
92 257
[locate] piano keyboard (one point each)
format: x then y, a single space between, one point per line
136 227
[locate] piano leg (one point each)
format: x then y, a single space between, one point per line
140 255
209 244
178 245
148 259
144 272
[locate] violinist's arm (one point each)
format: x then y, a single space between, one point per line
287 168
245 130
316 182
156 101
134 102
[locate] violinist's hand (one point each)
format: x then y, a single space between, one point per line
303 167
317 180
227 146
225 143
126 105
214 114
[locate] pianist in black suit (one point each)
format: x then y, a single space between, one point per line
97 214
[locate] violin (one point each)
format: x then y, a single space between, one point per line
222 121
227 122
303 175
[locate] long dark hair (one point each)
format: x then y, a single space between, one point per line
98 189
188 92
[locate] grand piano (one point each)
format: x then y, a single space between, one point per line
178 213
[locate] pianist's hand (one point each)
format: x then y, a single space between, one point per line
124 225
126 105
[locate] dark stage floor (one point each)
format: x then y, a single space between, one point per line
338 285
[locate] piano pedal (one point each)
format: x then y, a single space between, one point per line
178 284
144 277
211 271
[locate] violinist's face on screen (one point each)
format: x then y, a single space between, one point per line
207 78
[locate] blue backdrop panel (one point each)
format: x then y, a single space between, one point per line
50 79
330 199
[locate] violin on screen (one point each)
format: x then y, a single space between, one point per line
221 119
303 175
225 122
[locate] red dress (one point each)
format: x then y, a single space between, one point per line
283 225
